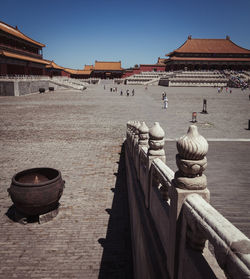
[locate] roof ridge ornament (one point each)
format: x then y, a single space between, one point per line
189 37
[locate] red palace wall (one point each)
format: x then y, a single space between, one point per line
145 68
127 74
132 72
65 74
3 69
57 73
152 68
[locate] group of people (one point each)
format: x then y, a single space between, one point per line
127 92
114 89
220 89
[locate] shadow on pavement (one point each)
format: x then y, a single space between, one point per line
117 255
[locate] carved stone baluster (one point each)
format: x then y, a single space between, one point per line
191 162
156 150
143 135
129 134
142 143
136 137
128 131
156 143
136 146
132 136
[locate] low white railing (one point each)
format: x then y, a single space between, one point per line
71 82
60 80
178 205
24 77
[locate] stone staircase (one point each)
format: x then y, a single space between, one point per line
147 78
69 83
198 78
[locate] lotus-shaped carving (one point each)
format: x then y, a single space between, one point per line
192 146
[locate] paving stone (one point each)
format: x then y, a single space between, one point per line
81 134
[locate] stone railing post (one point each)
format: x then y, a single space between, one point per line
191 162
143 135
156 144
136 138
136 146
132 125
155 150
129 135
137 125
142 144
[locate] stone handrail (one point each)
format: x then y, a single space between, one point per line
24 77
177 204
231 246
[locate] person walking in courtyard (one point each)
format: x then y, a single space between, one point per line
133 92
165 101
121 93
127 91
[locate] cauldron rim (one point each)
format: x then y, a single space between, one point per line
49 181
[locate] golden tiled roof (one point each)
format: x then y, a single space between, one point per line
88 67
53 65
108 66
86 72
15 32
156 65
77 72
101 66
176 58
210 46
161 61
22 57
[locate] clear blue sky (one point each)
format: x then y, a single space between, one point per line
134 31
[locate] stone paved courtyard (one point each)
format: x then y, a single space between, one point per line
81 134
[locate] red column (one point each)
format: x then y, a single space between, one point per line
3 69
26 69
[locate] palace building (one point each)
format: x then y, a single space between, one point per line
208 54
103 69
158 67
85 73
19 54
52 69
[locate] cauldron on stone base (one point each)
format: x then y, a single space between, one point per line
36 191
